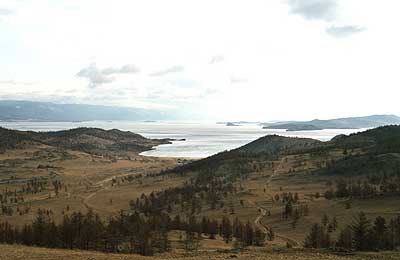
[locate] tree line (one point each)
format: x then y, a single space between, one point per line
361 235
369 187
128 233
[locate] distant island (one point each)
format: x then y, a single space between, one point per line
238 122
304 127
338 123
231 124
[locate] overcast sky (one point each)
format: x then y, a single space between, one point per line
219 59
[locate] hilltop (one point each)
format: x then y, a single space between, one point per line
90 140
274 144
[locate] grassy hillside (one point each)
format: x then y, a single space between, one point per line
275 144
252 185
378 140
11 139
13 252
90 140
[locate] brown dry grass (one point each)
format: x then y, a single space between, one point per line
14 252
88 180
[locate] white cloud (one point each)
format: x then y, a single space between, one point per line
343 31
217 59
235 80
315 9
261 54
324 10
6 11
173 69
97 77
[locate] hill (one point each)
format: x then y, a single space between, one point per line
12 110
380 139
89 140
338 123
375 151
273 190
372 151
274 144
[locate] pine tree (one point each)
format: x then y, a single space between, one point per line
334 223
360 228
317 238
345 239
248 234
325 220
259 237
226 229
378 235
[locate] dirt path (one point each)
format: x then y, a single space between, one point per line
102 186
264 228
267 230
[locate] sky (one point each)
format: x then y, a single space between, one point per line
255 60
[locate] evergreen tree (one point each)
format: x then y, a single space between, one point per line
360 228
259 237
317 238
345 239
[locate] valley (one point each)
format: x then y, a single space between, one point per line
279 186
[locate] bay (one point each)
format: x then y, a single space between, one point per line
202 139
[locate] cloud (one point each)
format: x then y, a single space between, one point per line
217 59
97 77
343 31
235 80
182 82
5 11
13 82
173 69
325 10
128 69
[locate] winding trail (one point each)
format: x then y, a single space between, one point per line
102 185
263 213
267 230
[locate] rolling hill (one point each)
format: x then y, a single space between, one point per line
89 140
372 151
255 184
274 144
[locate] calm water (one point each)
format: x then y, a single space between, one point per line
202 139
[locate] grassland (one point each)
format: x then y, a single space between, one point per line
88 181
107 183
12 252
96 182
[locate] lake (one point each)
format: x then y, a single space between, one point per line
202 139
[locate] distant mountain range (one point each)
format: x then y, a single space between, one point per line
338 123
11 110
